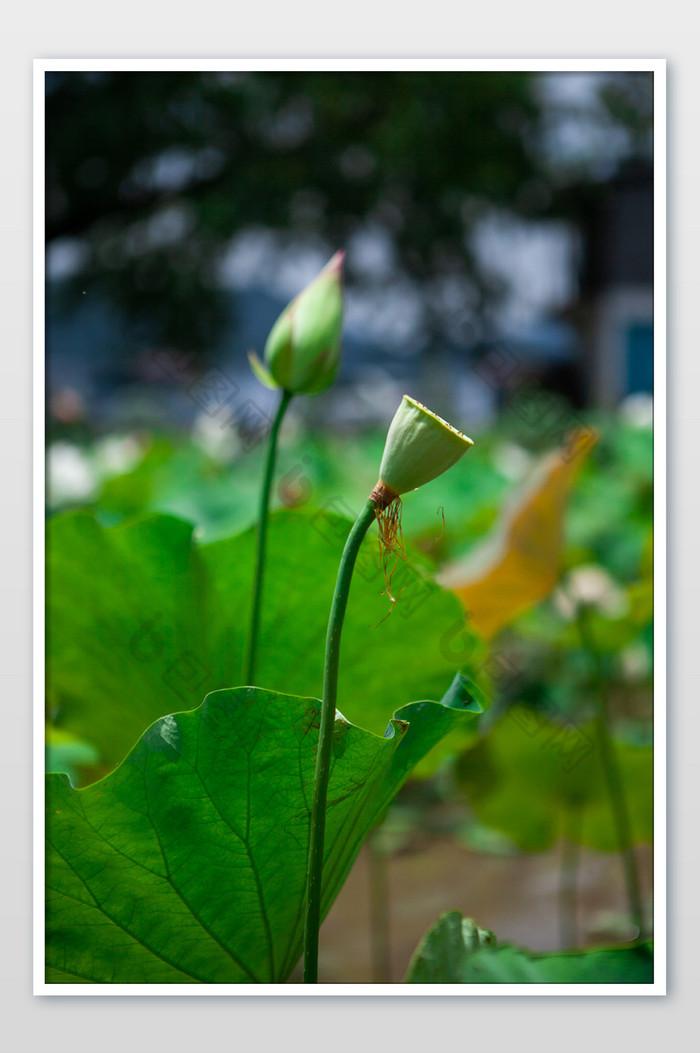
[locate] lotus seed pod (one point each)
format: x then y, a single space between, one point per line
419 447
302 353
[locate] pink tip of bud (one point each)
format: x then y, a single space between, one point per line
336 262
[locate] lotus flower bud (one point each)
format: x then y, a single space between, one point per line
419 447
302 353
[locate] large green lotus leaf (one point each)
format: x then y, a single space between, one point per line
441 954
187 863
123 619
454 951
143 621
535 780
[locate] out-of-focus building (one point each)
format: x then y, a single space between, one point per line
614 312
588 338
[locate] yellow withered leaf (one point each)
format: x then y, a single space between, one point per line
521 563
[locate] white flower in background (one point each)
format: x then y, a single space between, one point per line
638 410
592 585
635 662
70 474
116 454
220 443
512 461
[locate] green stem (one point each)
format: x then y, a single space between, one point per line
571 850
613 775
380 939
253 632
314 872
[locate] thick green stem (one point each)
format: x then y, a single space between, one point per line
613 775
570 854
380 939
252 653
314 872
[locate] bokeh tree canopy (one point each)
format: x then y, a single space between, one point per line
150 175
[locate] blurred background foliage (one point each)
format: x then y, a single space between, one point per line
150 174
495 223
185 208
